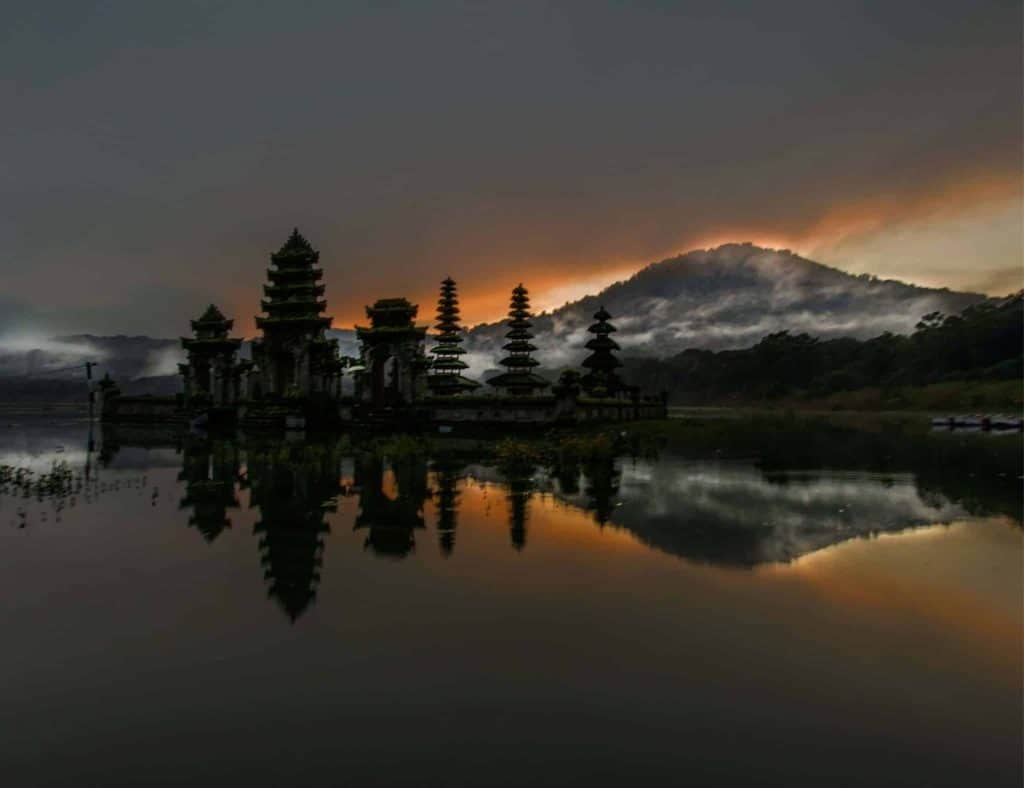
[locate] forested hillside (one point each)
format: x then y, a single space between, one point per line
983 343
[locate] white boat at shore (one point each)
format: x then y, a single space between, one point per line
999 421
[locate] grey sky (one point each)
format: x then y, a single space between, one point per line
155 153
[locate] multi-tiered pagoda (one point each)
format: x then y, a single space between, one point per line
519 379
446 376
601 378
294 358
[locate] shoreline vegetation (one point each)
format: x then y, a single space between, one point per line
963 396
923 401
969 361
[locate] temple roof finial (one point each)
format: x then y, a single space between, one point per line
211 314
296 242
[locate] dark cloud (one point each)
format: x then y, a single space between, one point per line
175 145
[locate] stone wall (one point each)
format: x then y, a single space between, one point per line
537 410
491 410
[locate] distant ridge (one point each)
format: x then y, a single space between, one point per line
723 298
730 297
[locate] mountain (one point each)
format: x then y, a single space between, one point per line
724 298
53 368
713 299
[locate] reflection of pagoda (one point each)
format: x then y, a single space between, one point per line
519 484
391 520
294 485
567 474
602 486
210 472
447 498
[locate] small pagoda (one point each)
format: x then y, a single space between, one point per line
210 376
446 376
519 378
294 357
601 378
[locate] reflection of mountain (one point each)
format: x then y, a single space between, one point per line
294 485
733 514
693 502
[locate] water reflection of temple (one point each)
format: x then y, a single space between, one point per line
210 473
294 486
447 474
602 476
726 513
391 502
519 490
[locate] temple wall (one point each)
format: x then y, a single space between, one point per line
504 410
454 410
618 410
537 410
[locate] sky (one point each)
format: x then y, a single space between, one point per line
155 154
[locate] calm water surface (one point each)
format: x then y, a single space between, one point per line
827 610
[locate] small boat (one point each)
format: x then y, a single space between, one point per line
1001 421
985 422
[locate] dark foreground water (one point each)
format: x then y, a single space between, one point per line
822 608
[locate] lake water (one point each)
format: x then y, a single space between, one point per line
802 607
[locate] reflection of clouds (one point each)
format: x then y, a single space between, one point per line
37 462
733 513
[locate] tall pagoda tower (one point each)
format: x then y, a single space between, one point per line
601 378
294 356
446 369
519 378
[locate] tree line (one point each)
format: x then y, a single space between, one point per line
983 343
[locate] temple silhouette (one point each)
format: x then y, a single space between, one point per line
294 376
